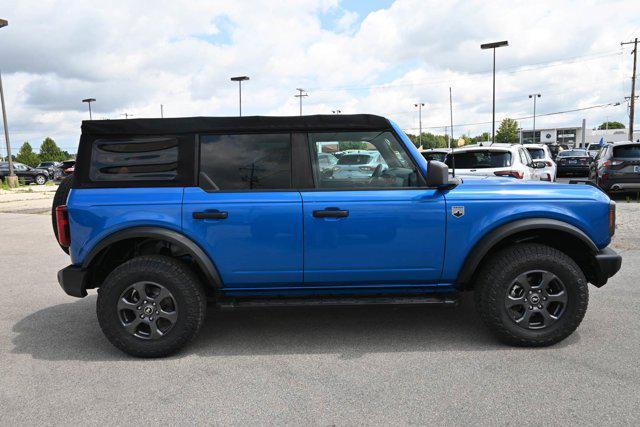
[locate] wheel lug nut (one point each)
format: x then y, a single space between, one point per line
139 308
530 307
144 302
530 292
545 298
142 316
157 312
150 318
154 303
540 306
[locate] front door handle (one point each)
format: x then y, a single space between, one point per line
212 214
331 213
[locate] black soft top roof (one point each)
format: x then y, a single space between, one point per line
236 124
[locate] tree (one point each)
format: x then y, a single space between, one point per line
611 125
351 145
50 152
27 156
508 132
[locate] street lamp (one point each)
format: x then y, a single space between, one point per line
240 79
493 46
534 96
419 105
12 180
89 101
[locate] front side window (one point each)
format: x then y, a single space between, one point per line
364 160
245 162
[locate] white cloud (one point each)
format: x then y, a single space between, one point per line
134 56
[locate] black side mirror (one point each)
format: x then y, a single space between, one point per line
438 175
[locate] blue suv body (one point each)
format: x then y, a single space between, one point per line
163 215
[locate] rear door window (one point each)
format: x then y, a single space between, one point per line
536 153
245 162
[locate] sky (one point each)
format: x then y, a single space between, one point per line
356 56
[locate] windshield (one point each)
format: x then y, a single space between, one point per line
354 159
573 153
536 153
627 151
480 159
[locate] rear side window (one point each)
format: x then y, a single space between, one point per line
627 151
481 159
134 159
245 162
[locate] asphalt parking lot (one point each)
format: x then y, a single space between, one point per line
378 365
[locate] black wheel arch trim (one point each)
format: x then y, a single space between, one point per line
199 255
495 236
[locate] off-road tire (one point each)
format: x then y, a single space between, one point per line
60 198
496 277
178 279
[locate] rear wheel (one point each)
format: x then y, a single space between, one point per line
531 295
151 306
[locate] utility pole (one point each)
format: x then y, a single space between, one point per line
419 105
451 116
633 86
126 115
534 96
300 95
161 111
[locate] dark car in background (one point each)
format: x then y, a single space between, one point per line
616 168
25 173
53 168
67 167
573 162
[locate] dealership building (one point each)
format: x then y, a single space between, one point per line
572 136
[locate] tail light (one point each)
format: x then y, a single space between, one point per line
612 163
512 174
605 176
548 163
62 221
612 218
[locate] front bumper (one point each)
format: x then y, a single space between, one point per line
607 264
72 280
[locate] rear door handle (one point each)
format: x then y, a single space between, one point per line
212 214
331 213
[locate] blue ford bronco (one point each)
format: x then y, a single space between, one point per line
165 217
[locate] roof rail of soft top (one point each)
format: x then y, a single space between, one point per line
321 122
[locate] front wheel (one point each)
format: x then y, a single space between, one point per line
531 295
40 179
151 306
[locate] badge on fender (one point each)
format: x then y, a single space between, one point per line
457 211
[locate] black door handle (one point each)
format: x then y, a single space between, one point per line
212 214
331 213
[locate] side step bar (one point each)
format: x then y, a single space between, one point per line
449 300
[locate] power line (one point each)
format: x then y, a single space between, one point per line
609 104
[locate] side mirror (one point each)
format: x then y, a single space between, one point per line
438 175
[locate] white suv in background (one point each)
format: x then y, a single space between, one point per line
507 160
541 153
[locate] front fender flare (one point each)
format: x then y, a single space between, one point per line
199 255
492 238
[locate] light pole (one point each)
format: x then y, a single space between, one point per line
12 180
494 46
534 96
419 105
300 95
89 101
240 79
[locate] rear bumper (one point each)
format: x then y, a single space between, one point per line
608 263
72 280
613 185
